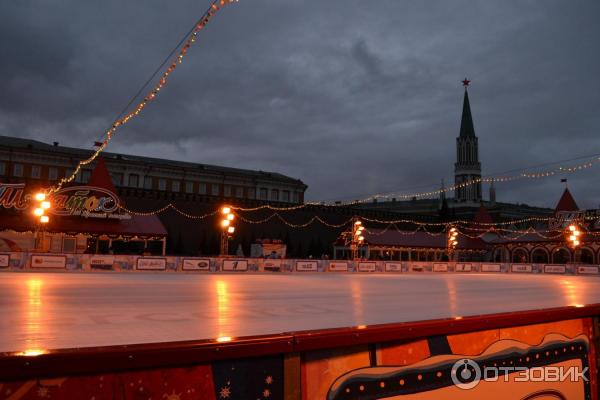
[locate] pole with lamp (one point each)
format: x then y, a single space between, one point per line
227 229
451 242
357 238
42 206
574 239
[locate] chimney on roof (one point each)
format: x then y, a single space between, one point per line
55 144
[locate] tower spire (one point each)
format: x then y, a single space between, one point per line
466 122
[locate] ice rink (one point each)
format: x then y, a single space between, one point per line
63 310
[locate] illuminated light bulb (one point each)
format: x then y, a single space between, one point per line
45 205
44 219
576 242
361 238
230 217
455 243
226 210
38 212
40 196
358 223
571 227
572 238
576 233
225 223
222 339
231 229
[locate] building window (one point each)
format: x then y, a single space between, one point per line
68 172
296 197
250 192
264 194
202 188
134 180
2 168
227 191
18 170
215 189
274 195
36 171
86 175
239 192
189 187
175 186
148 182
285 196
69 245
52 173
117 179
162 184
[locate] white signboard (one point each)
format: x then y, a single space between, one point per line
235 265
419 266
555 269
195 264
393 267
461 267
440 267
39 261
490 268
587 270
521 268
4 259
272 265
152 264
367 267
101 261
338 266
306 266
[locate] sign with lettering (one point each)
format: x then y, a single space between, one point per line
440 267
85 201
587 270
4 260
45 261
151 264
555 269
306 266
195 264
462 267
235 265
367 267
393 267
521 268
100 261
490 268
272 265
338 266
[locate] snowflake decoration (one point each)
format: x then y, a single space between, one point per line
225 392
172 396
269 380
266 393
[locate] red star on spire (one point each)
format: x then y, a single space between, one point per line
466 82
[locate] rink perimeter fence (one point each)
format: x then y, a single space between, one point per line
23 261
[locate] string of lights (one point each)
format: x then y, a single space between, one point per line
215 6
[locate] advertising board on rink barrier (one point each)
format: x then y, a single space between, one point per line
235 265
393 267
48 261
307 266
338 266
4 260
151 264
195 264
521 268
367 266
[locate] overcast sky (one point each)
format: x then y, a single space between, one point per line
352 97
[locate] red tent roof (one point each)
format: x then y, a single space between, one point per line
566 202
101 177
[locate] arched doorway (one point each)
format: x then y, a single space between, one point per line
540 256
586 256
500 255
561 256
520 256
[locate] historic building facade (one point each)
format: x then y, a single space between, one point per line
37 163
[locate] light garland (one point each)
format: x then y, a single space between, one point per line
215 6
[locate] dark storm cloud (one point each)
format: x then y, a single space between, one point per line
352 97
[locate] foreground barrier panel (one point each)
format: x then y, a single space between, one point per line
132 263
547 354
